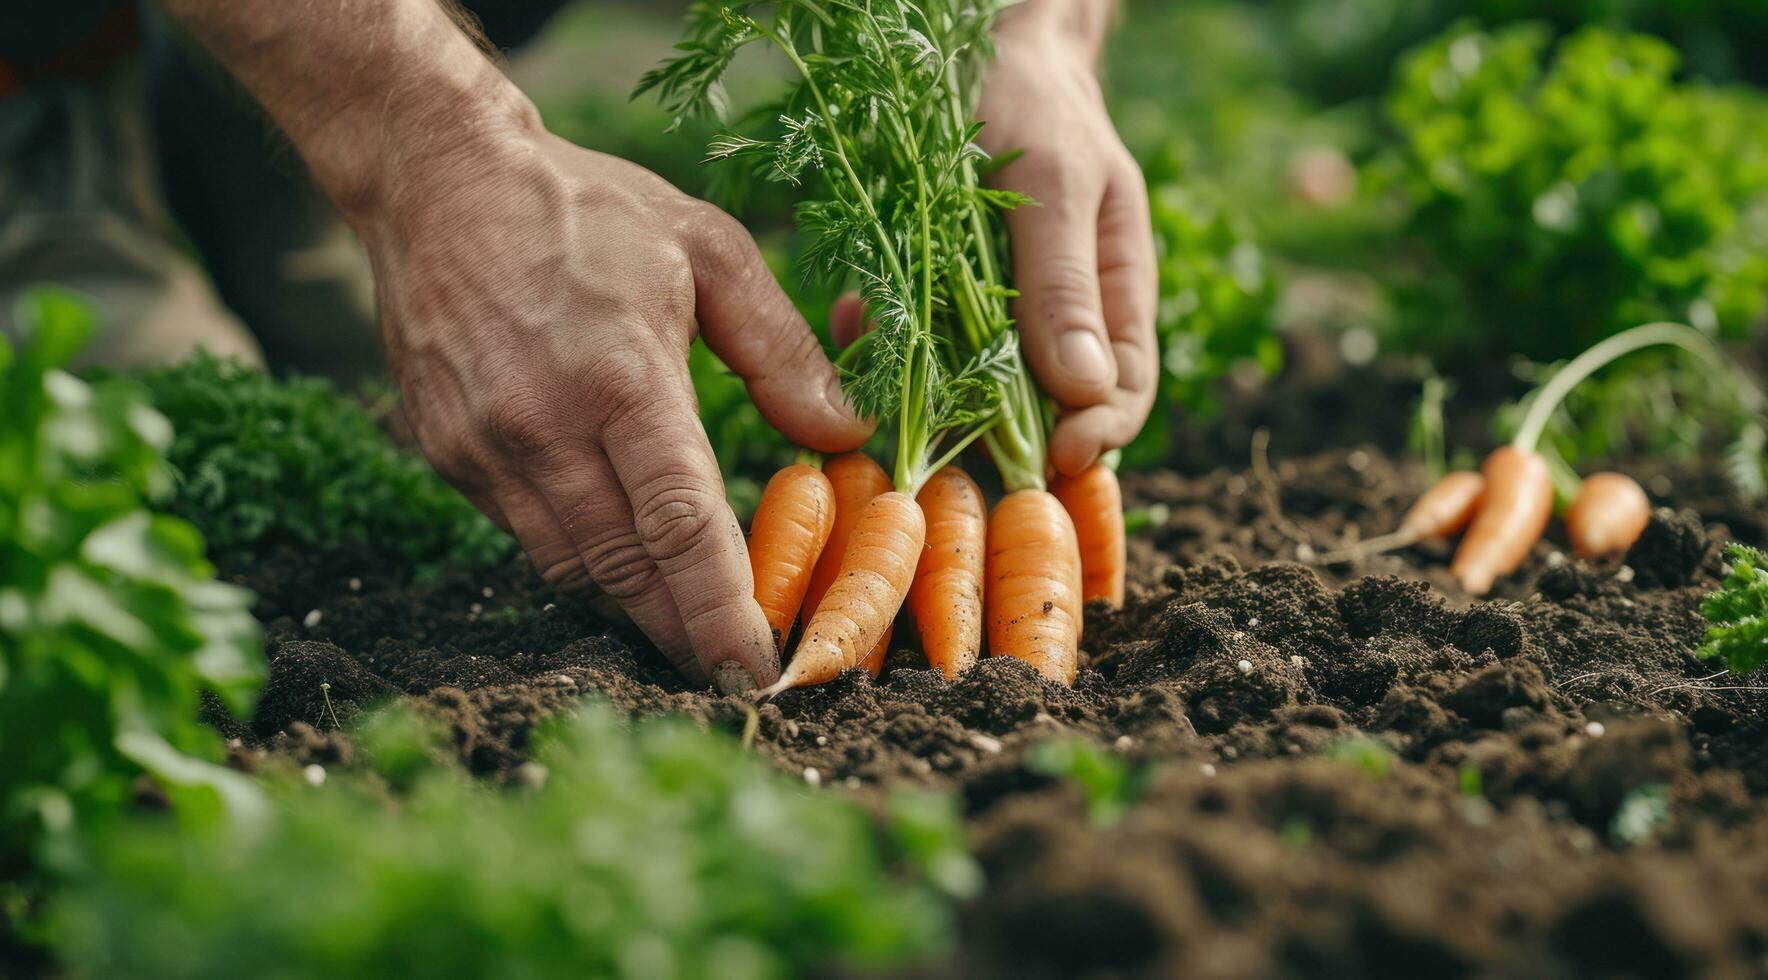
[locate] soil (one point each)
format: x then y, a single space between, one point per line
1351 770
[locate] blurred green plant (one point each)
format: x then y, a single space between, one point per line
110 619
263 462
1110 783
1573 196
1217 295
1739 612
659 851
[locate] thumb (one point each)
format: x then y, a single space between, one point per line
748 321
1056 269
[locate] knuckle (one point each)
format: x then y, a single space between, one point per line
622 567
522 420
565 573
675 518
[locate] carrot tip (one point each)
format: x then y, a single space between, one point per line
783 684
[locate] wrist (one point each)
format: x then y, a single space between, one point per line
1074 27
378 158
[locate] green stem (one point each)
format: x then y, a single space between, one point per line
1554 392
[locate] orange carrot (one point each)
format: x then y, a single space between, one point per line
1514 513
947 595
1094 502
874 578
1034 584
1607 516
1442 512
857 479
791 526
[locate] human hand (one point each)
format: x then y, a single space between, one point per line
538 301
1083 257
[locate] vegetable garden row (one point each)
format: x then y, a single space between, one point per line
1297 687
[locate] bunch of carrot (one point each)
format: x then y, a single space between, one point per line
841 549
1506 507
880 120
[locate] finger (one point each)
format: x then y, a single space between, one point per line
847 320
755 330
1056 269
665 465
1082 437
1129 281
590 506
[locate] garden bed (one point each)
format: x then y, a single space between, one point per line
1353 770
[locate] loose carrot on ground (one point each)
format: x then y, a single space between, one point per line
947 595
1517 505
1443 511
875 574
790 529
1607 516
1033 588
856 479
1094 502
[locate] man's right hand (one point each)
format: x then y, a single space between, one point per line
538 300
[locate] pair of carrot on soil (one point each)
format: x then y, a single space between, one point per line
839 547
1505 508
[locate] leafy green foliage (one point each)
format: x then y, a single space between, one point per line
1739 612
1575 195
658 852
1371 755
263 462
1110 783
110 619
1217 298
877 128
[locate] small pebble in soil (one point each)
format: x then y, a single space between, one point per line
1245 668
475 609
1555 559
549 607
1124 743
566 680
822 740
1208 770
1357 460
487 592
355 585
986 743
1595 729
813 777
1305 553
312 618
314 774
532 774
1624 573
1236 486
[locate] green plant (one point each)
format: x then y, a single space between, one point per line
1739 612
1216 300
263 463
110 619
1110 783
660 851
1573 196
877 121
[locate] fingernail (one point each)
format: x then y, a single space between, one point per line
838 397
732 677
1083 356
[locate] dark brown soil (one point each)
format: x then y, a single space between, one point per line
1355 771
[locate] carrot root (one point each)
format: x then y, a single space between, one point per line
870 586
787 537
1033 595
1513 514
946 599
1607 516
1094 501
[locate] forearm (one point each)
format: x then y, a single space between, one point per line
363 89
1078 22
